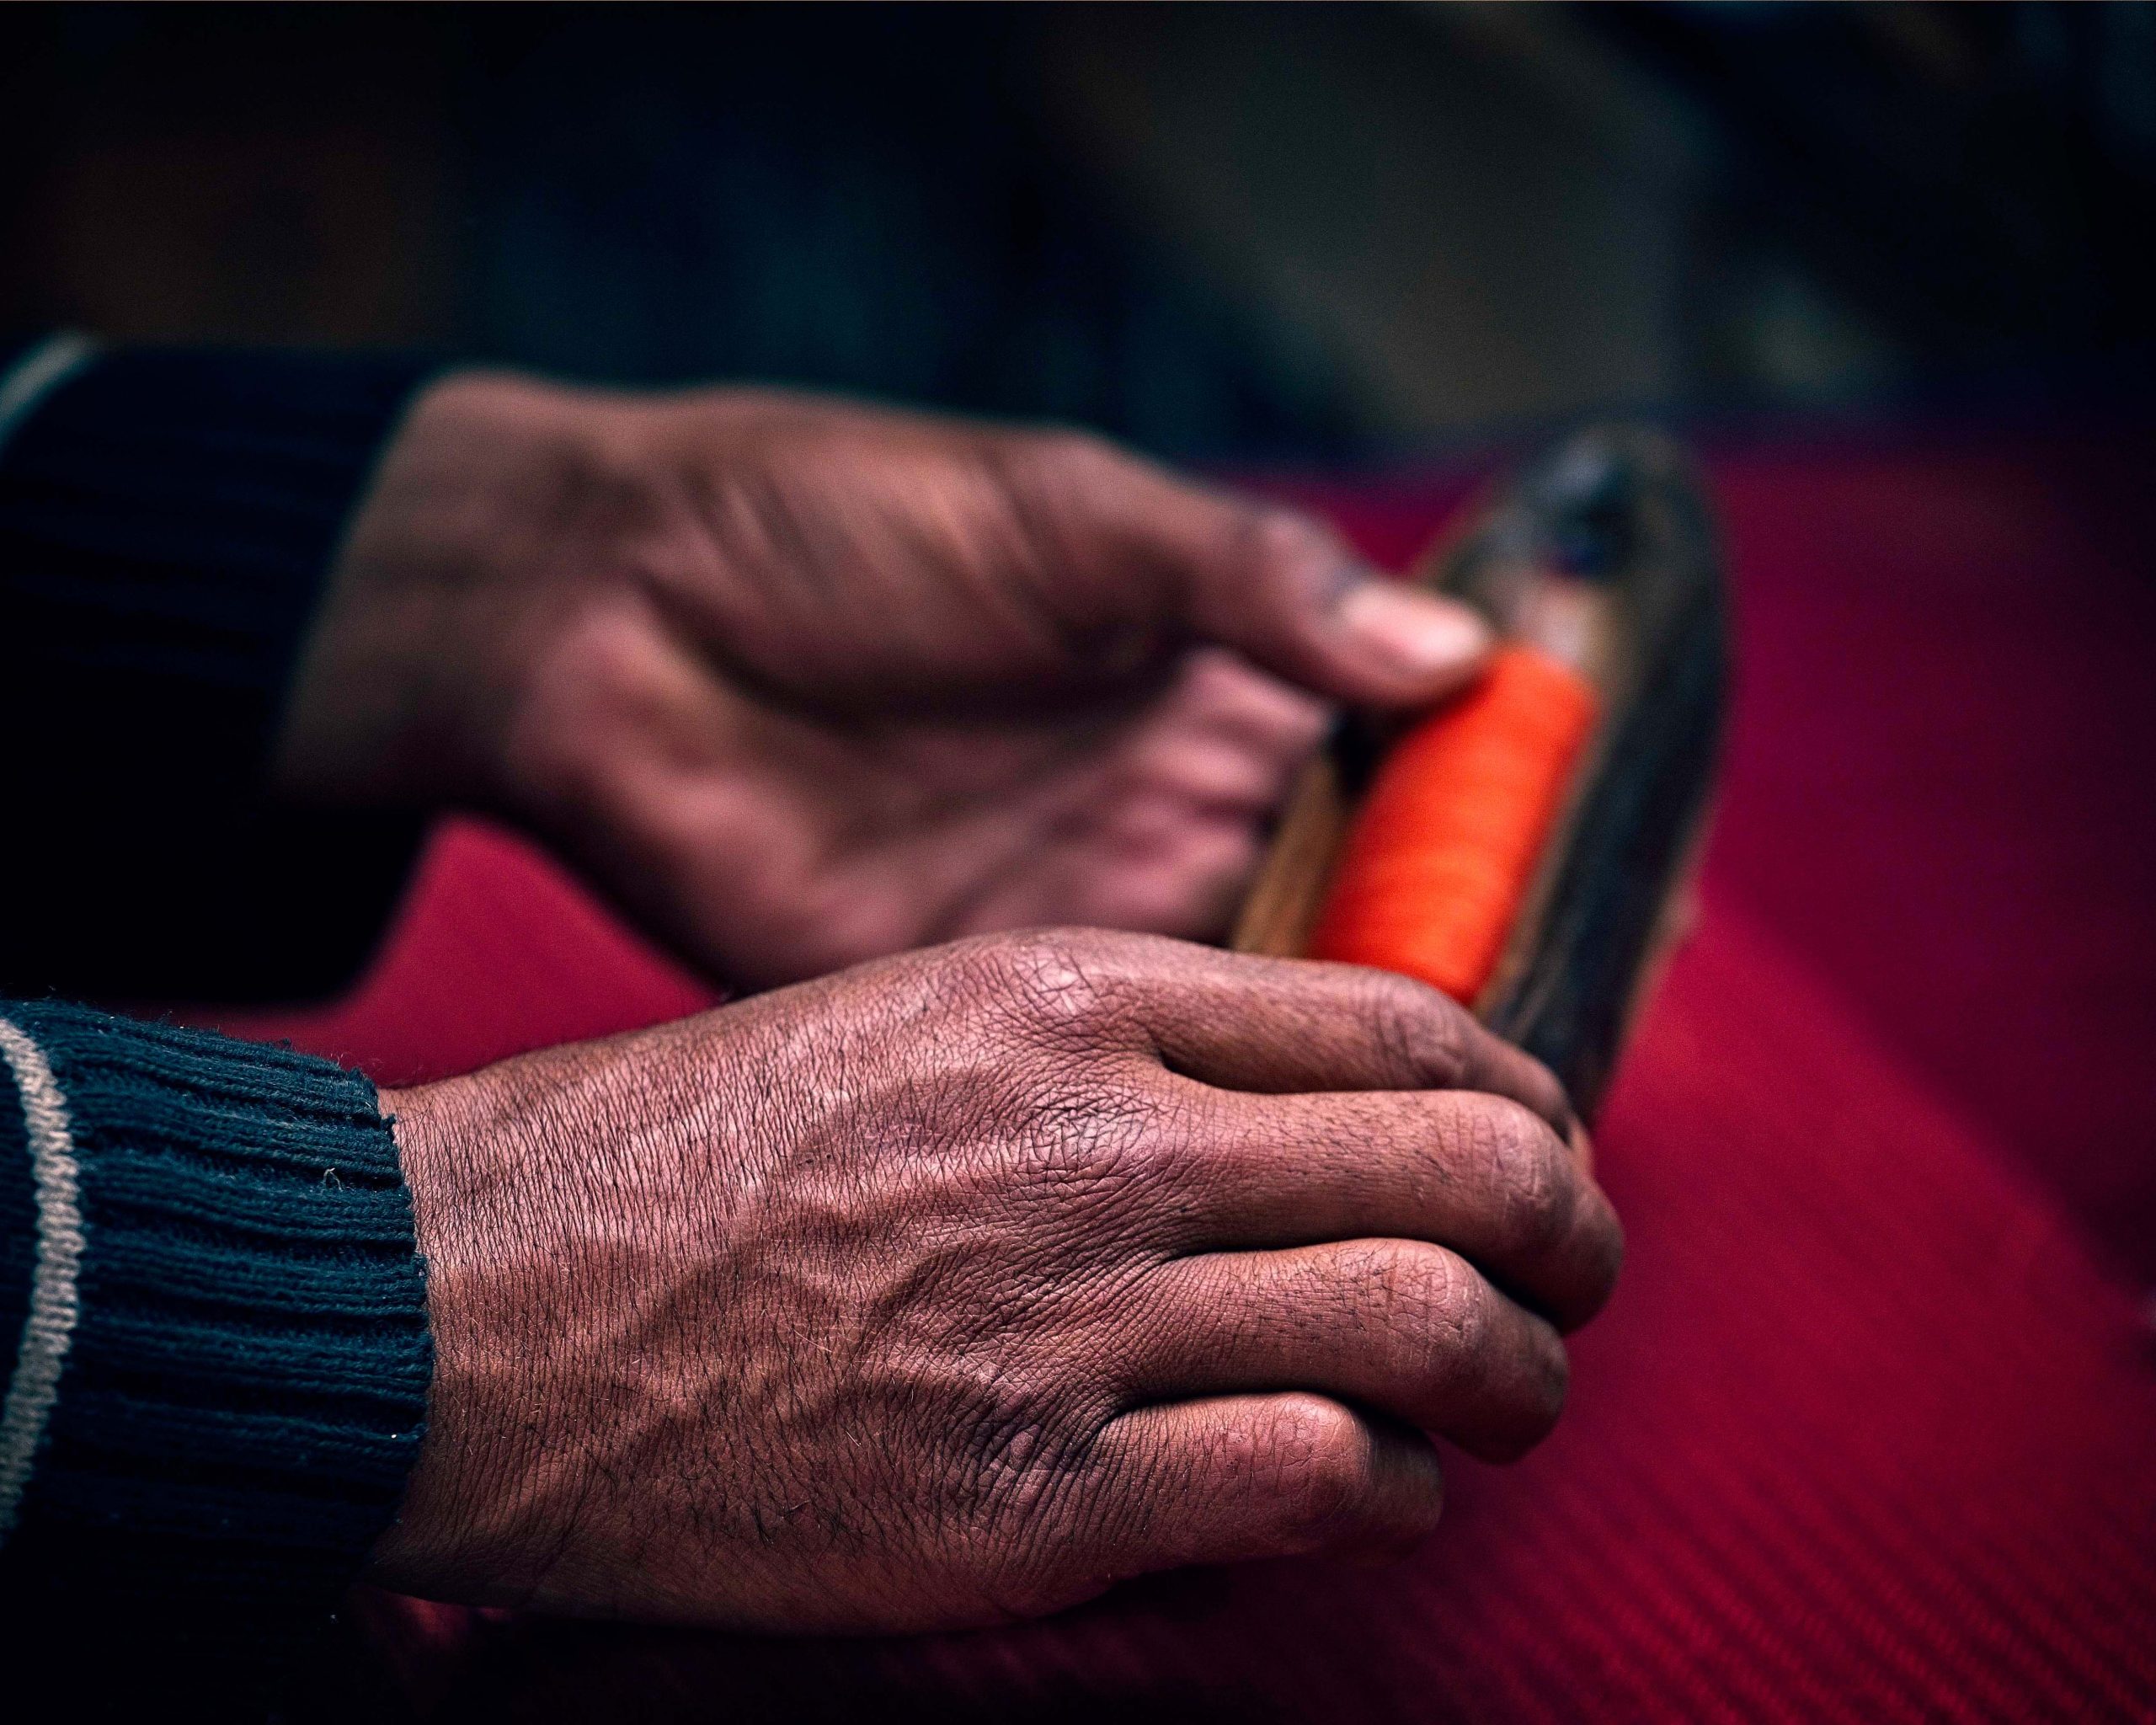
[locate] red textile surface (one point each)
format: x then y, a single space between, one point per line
1869 1431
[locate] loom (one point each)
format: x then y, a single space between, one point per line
1524 846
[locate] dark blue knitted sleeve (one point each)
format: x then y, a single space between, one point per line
212 1317
215 1343
166 520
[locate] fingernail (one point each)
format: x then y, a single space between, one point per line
1416 634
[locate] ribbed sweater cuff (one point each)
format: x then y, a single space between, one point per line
241 1391
167 520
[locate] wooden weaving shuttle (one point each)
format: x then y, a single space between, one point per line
1526 846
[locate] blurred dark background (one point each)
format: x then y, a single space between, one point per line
1215 230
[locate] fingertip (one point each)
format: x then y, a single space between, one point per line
1273 1474
1407 644
1610 1246
1505 1069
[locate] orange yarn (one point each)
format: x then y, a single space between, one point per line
1440 857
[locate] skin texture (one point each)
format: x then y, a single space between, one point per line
798 683
954 1287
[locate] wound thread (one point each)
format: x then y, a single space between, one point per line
1439 859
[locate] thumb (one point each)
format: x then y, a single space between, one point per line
1272 583
1289 593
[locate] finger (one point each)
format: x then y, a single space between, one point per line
1397 1325
1277 584
1158 831
1244 1022
1231 1478
1227 736
1170 841
1152 864
1477 1174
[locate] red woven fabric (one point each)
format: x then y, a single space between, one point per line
1869 1431
1941 782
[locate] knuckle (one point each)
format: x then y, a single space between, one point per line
1593 1252
1533 1176
1322 1471
1027 1474
1093 1149
1447 1307
1168 1149
1018 1451
1545 1383
1430 1309
1050 977
1549 1095
1425 1031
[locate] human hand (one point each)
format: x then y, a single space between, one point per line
953 1287
799 682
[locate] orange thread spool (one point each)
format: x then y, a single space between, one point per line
1436 862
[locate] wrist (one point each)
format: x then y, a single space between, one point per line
436 1547
495 488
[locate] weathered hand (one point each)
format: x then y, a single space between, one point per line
799 682
957 1285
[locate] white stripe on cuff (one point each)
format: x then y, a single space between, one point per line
49 1326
